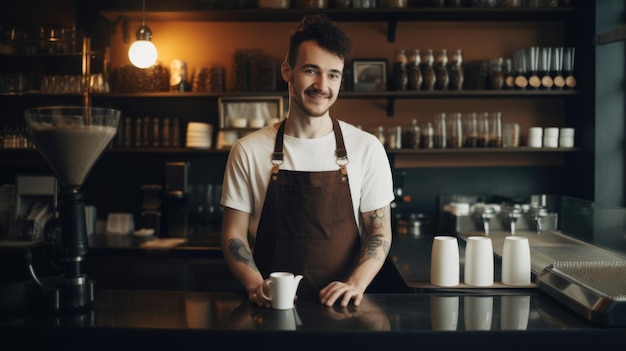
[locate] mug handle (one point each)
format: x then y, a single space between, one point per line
269 283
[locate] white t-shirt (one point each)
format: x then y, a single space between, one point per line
249 166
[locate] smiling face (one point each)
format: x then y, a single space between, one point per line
314 81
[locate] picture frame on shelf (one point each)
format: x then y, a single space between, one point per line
369 74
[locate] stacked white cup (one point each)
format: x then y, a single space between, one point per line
199 135
535 135
551 137
566 137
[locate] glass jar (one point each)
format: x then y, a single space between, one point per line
427 70
426 140
311 4
470 130
455 70
441 70
411 137
455 128
413 71
496 75
393 4
440 135
341 4
399 77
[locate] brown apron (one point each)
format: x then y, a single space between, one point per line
307 224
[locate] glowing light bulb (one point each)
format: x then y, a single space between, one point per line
142 53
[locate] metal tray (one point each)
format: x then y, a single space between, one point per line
594 289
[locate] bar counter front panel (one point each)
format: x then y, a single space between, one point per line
144 319
485 319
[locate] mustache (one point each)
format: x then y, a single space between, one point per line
313 91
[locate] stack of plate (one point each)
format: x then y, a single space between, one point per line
199 135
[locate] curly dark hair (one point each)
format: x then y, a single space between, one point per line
320 28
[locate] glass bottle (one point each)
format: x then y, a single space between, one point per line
557 68
470 130
440 135
455 70
568 67
545 59
427 141
413 70
534 82
494 135
509 74
400 77
482 123
428 73
455 130
521 82
441 70
411 138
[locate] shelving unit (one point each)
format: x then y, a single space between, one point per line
572 102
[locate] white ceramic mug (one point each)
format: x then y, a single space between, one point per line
282 287
444 261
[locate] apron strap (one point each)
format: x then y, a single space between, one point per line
340 152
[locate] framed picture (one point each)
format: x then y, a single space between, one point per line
369 74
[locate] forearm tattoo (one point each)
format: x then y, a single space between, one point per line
375 241
240 253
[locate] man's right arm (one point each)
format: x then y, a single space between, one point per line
238 254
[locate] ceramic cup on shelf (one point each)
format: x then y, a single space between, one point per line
535 137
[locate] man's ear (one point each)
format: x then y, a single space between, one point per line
286 72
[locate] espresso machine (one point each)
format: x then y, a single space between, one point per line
70 139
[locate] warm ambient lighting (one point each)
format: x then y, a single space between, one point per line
143 53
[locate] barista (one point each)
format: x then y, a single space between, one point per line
311 194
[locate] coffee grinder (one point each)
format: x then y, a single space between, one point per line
70 139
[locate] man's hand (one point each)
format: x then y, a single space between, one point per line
340 291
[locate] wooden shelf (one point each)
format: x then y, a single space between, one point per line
391 16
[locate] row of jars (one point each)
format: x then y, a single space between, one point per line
530 68
52 84
453 130
47 39
318 4
427 70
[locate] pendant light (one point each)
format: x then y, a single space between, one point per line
143 53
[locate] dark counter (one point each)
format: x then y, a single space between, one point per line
147 320
430 318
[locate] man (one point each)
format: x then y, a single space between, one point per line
309 195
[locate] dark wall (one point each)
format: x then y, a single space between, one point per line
610 166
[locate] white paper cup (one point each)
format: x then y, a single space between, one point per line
444 261
444 312
477 312
514 312
478 261
516 261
